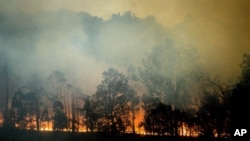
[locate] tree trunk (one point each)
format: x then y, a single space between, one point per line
6 98
73 112
37 119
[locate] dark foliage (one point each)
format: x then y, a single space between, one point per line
60 120
239 101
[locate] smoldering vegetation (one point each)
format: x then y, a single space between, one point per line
66 71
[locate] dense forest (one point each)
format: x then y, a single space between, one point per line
162 91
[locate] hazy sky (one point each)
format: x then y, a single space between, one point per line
218 29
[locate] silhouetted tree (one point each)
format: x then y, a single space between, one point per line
191 123
60 120
133 81
71 106
89 113
56 86
211 116
25 108
19 110
8 83
158 117
45 117
134 108
170 74
112 99
216 97
239 99
35 98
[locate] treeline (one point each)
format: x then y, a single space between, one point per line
179 99
35 105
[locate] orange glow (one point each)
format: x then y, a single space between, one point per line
46 126
185 131
138 118
46 129
1 121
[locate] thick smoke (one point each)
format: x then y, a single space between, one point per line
40 42
78 44
219 30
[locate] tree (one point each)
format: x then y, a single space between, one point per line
26 106
8 82
133 81
56 83
45 117
35 98
158 119
211 116
55 88
70 101
171 74
19 110
217 86
245 73
89 114
60 120
239 99
215 106
112 102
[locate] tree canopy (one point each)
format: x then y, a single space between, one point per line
112 102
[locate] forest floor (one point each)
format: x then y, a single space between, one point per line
25 135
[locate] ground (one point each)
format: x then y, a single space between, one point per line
24 135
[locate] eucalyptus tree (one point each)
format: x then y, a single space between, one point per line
73 99
8 83
89 113
27 104
36 98
60 120
112 102
133 81
55 92
171 74
19 109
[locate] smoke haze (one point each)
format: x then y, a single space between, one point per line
78 44
84 38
